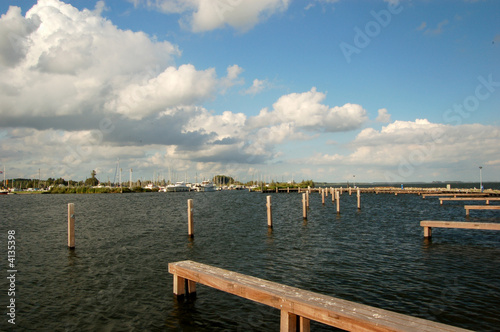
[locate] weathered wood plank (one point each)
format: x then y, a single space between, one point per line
328 310
480 207
469 198
461 224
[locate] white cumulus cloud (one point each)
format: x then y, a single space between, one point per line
206 15
306 110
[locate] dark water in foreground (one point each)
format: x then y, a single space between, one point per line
117 280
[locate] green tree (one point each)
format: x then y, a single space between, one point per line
92 181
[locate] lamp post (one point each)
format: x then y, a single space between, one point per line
481 178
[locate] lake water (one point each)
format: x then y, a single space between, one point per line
117 277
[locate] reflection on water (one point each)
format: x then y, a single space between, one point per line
117 278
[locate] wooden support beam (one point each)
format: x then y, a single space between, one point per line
304 324
288 322
179 285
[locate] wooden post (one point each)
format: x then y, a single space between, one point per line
304 324
307 199
333 195
269 212
466 212
359 199
288 322
190 218
304 206
349 191
323 196
179 285
338 202
427 231
71 225
287 190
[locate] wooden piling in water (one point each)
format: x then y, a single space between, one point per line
71 225
338 201
307 199
359 199
304 206
349 191
323 196
190 218
269 212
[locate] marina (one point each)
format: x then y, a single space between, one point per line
116 277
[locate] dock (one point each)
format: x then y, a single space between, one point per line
298 307
480 207
429 224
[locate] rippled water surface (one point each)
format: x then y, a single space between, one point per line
117 277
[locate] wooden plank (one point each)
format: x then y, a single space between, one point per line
469 198
461 224
328 310
455 195
482 207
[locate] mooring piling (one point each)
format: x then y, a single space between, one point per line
269 212
359 199
190 218
323 196
304 206
338 201
71 225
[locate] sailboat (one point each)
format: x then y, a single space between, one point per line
3 191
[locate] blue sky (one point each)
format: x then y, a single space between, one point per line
385 90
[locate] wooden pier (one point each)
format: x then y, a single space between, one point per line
298 307
487 199
429 224
480 207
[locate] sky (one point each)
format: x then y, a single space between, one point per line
328 90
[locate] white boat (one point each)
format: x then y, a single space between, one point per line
177 187
208 186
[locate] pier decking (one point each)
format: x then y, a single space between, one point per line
298 307
429 224
487 199
480 207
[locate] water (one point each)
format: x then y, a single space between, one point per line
117 277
